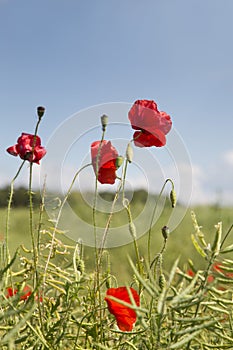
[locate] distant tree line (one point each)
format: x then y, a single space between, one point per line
20 197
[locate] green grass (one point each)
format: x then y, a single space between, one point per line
179 242
72 312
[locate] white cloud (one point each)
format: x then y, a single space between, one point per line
228 158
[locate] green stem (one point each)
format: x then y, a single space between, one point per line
58 218
133 235
95 200
34 248
152 218
120 186
226 235
7 252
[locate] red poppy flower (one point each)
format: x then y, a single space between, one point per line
107 161
27 291
10 292
125 316
152 124
190 273
24 148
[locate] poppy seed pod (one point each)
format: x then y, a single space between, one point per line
173 198
165 232
129 153
104 121
40 111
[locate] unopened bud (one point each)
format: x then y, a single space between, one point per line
129 153
119 161
40 111
165 232
104 121
173 198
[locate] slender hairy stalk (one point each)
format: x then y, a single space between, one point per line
95 197
30 194
59 216
152 218
7 252
120 186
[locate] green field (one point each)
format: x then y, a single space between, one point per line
179 243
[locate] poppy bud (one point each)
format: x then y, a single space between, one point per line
165 232
40 111
104 121
173 198
129 153
119 161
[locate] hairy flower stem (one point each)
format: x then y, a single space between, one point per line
30 193
7 251
120 187
97 294
152 218
58 219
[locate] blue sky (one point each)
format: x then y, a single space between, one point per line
71 55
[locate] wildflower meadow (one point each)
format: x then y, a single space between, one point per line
51 297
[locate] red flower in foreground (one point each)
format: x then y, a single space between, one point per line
152 124
125 316
106 162
24 148
25 294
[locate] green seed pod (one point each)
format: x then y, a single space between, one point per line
162 281
129 153
217 240
119 161
165 232
104 121
173 198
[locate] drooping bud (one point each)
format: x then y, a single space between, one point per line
173 198
165 232
119 161
40 111
129 152
104 121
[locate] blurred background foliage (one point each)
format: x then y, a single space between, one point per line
179 242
